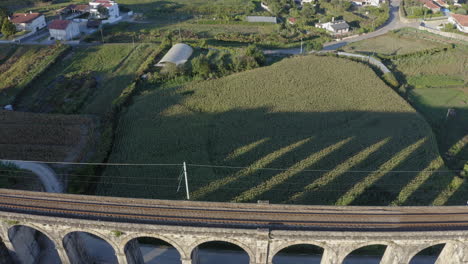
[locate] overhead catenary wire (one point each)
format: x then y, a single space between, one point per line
227 167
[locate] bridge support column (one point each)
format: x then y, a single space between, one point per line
121 258
400 253
186 261
454 253
62 254
262 247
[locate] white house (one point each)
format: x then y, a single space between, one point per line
110 5
368 2
64 29
336 27
28 21
460 21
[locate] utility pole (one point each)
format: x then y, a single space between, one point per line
186 181
301 45
102 36
180 36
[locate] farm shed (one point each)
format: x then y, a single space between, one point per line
178 54
261 19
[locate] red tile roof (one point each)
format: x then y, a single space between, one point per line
59 24
461 19
19 18
431 5
292 20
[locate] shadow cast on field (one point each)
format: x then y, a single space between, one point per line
345 158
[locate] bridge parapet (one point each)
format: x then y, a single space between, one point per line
260 244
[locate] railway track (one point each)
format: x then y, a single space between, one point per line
280 217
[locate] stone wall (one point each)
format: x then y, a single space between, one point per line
261 245
445 34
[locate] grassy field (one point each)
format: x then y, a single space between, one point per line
434 79
20 65
444 69
87 80
337 136
29 136
393 43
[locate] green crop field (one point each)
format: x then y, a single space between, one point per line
87 80
44 137
331 128
20 65
444 69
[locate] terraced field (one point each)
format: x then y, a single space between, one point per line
309 130
87 80
20 65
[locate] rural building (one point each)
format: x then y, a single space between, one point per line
28 21
301 2
460 21
432 6
261 19
336 27
292 20
441 3
368 2
64 29
178 55
110 5
74 10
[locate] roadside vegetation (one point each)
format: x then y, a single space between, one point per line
275 117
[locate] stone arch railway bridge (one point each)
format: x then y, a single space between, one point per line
262 230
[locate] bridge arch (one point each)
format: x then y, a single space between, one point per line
246 248
128 238
70 240
36 227
92 232
282 246
358 246
30 241
422 248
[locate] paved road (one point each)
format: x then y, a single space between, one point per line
370 59
45 174
393 23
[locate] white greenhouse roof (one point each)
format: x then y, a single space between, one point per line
178 54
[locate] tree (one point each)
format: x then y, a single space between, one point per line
8 28
313 45
103 11
4 13
201 66
255 53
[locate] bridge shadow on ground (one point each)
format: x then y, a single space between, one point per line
344 158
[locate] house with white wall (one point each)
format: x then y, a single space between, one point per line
64 29
28 21
460 21
368 2
111 6
335 26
